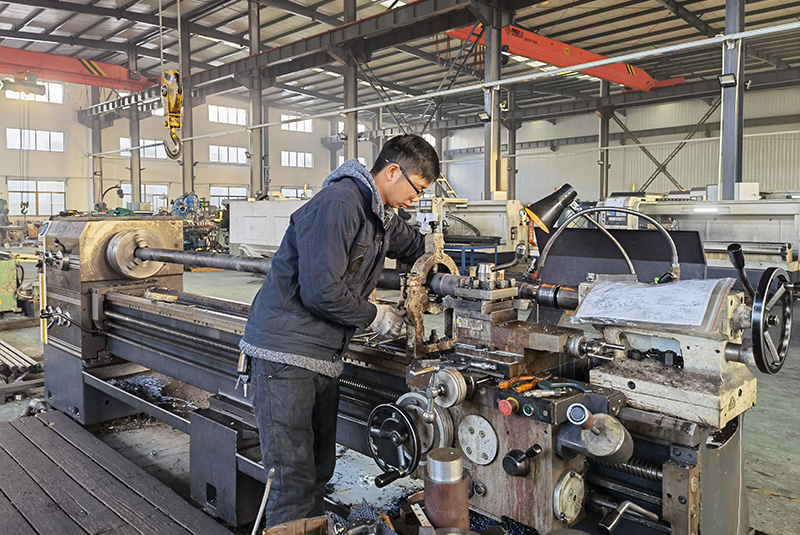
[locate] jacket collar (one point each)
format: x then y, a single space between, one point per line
355 170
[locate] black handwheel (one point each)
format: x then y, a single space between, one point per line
392 433
772 316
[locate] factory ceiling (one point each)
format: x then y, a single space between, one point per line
402 48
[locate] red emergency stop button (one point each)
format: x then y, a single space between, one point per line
508 406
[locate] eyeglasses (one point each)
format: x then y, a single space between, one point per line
418 192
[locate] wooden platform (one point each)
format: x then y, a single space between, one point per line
58 479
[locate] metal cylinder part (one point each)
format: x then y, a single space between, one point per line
484 272
121 253
740 353
446 495
445 465
445 284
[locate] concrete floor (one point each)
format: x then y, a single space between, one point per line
771 430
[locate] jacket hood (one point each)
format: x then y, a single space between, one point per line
356 170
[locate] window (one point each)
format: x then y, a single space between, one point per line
156 150
362 161
297 126
297 193
430 139
44 197
53 93
22 139
222 154
290 158
223 114
156 194
222 195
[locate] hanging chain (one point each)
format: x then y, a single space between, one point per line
180 41
161 36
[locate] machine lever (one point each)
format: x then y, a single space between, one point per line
609 522
515 462
387 477
243 369
422 371
737 259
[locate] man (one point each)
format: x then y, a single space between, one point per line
313 299
4 222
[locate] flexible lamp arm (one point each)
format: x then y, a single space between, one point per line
674 266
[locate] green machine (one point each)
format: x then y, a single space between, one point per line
19 302
8 285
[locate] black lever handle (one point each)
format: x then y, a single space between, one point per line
737 259
514 462
387 477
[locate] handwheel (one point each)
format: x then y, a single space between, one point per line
393 442
772 316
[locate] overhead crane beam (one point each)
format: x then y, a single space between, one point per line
67 69
534 46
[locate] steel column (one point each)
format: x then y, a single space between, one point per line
491 105
350 90
96 164
256 110
512 127
381 140
333 147
604 113
732 102
187 125
136 154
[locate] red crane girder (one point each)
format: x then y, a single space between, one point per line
67 69
534 46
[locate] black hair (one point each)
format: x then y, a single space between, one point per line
411 152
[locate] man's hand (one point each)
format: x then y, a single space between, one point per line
388 321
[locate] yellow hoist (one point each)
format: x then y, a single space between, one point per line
172 88
172 98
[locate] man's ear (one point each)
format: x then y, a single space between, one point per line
386 174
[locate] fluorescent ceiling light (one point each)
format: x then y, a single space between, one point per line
706 210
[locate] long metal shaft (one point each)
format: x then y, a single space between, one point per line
212 260
441 284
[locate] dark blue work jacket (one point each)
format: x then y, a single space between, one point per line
317 291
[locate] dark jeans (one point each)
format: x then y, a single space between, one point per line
296 412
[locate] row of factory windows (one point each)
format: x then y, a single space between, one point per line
48 197
43 140
54 93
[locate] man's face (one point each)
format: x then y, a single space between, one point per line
404 188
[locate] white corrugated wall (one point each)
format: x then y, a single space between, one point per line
771 154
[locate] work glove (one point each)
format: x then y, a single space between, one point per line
388 321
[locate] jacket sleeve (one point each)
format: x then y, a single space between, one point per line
324 239
405 242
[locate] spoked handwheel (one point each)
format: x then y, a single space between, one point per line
771 320
393 442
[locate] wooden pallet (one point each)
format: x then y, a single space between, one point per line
59 479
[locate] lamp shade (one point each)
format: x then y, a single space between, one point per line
545 212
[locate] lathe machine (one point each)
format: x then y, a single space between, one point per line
627 413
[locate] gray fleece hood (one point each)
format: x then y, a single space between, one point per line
355 169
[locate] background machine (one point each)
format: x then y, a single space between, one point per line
613 414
